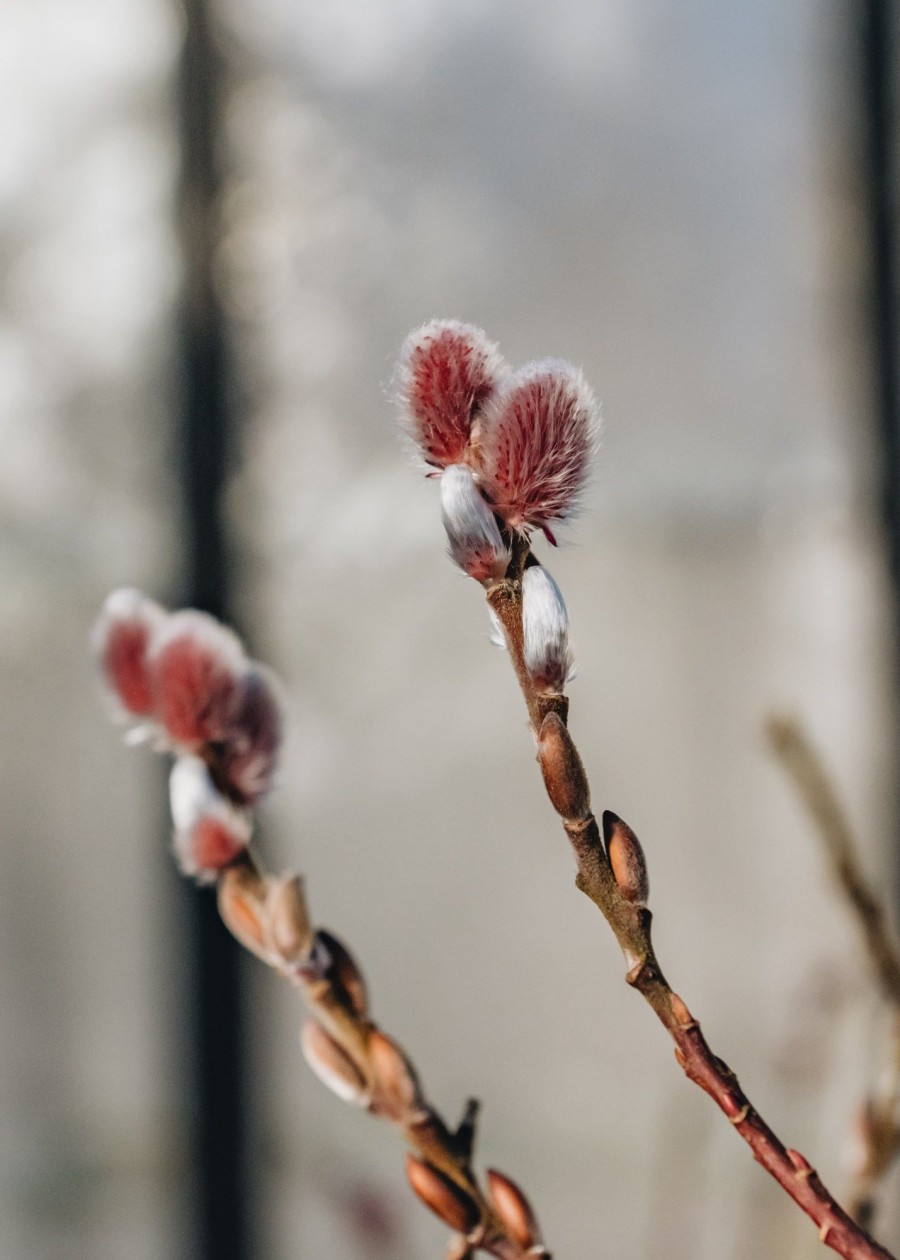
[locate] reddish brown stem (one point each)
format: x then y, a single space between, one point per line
631 924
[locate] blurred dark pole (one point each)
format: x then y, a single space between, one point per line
213 977
878 61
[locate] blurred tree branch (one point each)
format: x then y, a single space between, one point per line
879 1120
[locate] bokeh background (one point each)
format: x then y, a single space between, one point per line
206 280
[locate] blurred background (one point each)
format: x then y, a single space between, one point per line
219 222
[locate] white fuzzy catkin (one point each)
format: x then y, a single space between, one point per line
193 798
545 629
475 541
496 634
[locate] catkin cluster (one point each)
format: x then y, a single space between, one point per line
183 681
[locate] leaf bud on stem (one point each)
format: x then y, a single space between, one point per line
242 904
287 919
394 1074
626 857
446 1199
514 1210
343 968
332 1065
563 771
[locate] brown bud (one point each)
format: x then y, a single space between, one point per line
513 1209
343 968
447 1200
242 894
332 1065
564 776
287 919
626 857
394 1073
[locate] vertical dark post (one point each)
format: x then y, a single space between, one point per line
878 68
219 1147
878 65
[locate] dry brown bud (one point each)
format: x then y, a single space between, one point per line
448 1201
394 1073
626 857
344 969
513 1209
287 919
564 776
332 1065
242 895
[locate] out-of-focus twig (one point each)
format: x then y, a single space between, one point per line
878 1124
801 761
186 678
351 1054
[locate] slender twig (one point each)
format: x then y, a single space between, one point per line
879 1122
188 683
371 1070
610 875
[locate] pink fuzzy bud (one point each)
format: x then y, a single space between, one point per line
475 542
252 738
196 665
446 372
545 630
210 832
121 638
538 436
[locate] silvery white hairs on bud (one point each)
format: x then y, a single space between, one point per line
472 530
209 830
545 628
495 633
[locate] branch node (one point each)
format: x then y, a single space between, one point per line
740 1116
683 1017
635 975
802 1166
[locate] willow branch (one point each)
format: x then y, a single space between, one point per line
186 680
879 1122
346 1048
612 874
